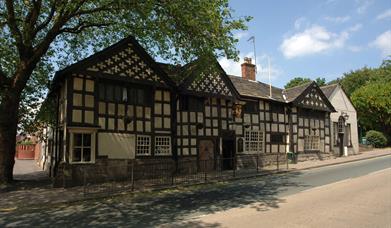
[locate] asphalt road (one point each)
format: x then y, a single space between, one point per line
359 202
153 209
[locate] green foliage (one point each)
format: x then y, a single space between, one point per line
320 81
376 139
302 80
45 35
358 78
296 82
373 104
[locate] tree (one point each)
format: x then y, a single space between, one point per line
355 79
373 105
302 80
320 81
37 35
296 82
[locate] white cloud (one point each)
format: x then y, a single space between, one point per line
384 15
383 43
234 68
315 39
338 19
363 5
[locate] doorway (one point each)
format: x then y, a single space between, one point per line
228 154
206 154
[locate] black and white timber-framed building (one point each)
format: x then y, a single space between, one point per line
120 105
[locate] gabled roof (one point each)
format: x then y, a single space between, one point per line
329 89
313 97
201 77
88 63
248 88
292 93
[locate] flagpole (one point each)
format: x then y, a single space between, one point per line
270 83
252 38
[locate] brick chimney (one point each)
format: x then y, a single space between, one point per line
248 69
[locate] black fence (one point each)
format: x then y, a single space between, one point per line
109 179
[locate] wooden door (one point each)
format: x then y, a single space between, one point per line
206 154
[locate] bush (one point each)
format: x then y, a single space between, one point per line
376 139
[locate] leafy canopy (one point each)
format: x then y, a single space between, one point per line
38 36
302 80
373 104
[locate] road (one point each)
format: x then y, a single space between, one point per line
263 195
363 201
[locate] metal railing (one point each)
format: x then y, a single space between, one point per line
109 179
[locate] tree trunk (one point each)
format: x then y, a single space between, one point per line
8 126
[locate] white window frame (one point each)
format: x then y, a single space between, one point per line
162 145
72 132
311 143
138 140
253 141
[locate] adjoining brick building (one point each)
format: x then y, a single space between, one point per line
119 105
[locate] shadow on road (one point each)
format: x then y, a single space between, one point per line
153 209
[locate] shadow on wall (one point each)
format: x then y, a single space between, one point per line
157 208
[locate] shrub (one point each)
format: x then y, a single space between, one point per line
376 138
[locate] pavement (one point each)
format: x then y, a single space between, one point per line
36 193
171 206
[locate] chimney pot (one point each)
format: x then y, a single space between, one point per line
248 69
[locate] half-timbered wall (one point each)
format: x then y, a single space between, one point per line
214 117
311 123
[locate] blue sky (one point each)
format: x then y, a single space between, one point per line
313 38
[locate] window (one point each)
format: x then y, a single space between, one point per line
125 94
253 141
193 104
251 107
277 108
139 96
82 147
277 138
341 125
311 143
143 145
335 135
162 145
240 145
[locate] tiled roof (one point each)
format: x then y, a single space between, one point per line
256 89
292 93
173 71
328 89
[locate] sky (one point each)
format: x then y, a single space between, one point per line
308 38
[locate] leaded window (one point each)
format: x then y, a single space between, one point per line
253 141
194 104
143 145
162 145
311 143
251 107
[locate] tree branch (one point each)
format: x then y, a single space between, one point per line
11 21
48 18
79 28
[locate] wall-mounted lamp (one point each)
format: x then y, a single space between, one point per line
345 115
